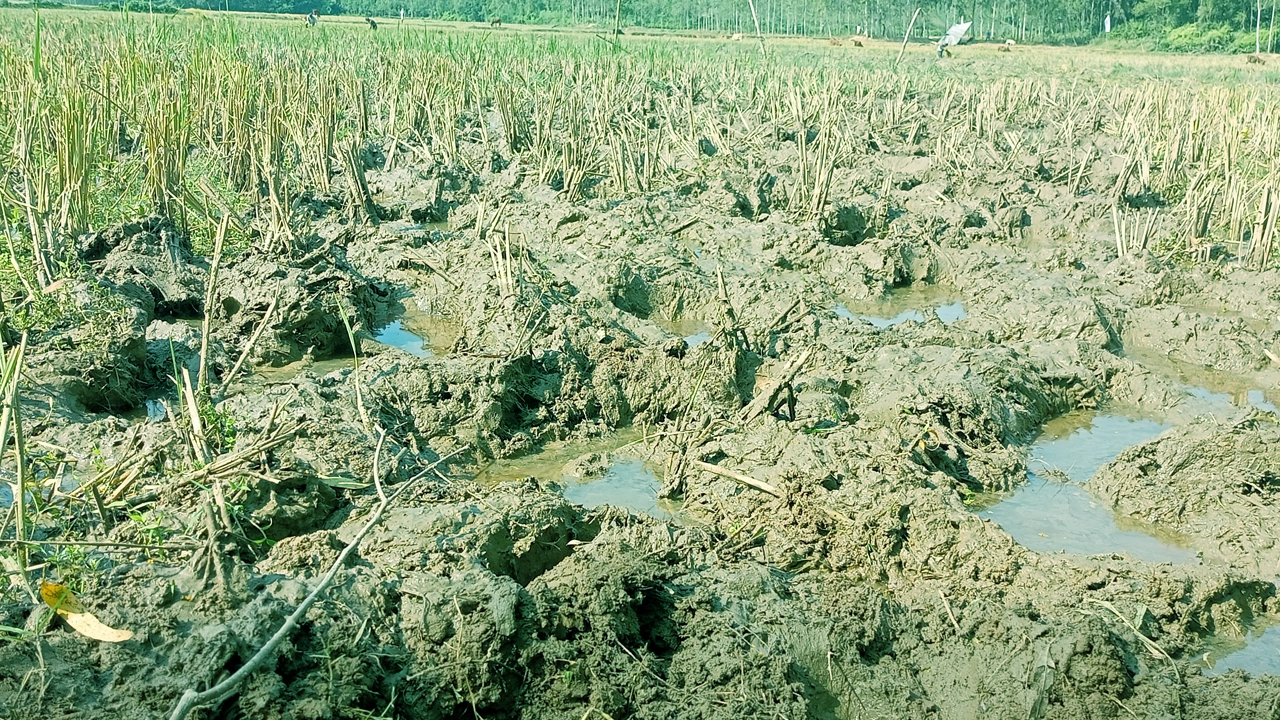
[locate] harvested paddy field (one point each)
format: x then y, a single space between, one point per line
442 373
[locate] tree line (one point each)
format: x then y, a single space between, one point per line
1188 25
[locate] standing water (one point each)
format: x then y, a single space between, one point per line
395 335
1259 656
911 303
418 333
694 330
1059 515
626 484
697 338
592 473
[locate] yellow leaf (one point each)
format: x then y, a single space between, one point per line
61 600
89 626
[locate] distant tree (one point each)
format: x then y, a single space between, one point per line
1166 14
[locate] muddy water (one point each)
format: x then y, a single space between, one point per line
626 481
319 368
1053 513
628 484
150 411
1254 398
694 331
418 333
697 338
908 304
1259 390
550 462
1259 655
395 335
1258 399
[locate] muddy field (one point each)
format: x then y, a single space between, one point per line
937 450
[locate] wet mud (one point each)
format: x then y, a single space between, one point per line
928 454
1055 512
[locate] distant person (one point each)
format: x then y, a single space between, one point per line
313 18
401 14
373 25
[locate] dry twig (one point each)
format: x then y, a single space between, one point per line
191 699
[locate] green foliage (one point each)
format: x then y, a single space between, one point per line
150 527
1224 13
70 305
285 7
141 6
118 194
1199 38
1160 15
1199 26
201 229
1139 31
78 566
1070 21
219 427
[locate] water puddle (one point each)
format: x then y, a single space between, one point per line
1203 393
150 411
1054 512
1258 399
626 484
694 331
1240 398
951 312
697 338
550 463
905 305
1228 390
418 333
593 473
319 368
395 335
1257 654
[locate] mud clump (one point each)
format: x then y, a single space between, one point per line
155 256
1216 483
309 293
1227 344
100 363
850 224
525 602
